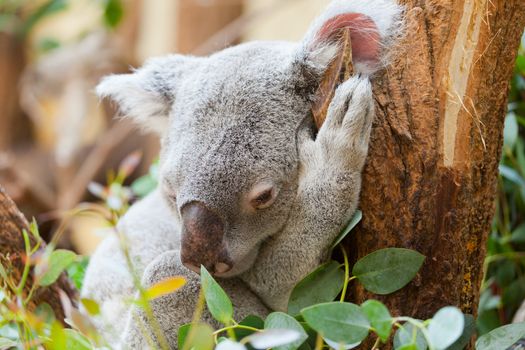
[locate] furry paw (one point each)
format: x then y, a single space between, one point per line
342 141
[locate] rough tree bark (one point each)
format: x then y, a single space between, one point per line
12 257
430 180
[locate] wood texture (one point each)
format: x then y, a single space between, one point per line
430 179
12 223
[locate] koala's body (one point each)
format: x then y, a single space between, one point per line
247 188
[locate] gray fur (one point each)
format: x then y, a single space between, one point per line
229 123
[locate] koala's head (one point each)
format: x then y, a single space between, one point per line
229 164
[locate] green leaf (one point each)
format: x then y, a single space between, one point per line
198 337
488 321
48 44
250 321
77 270
183 334
340 322
387 270
379 318
219 304
511 175
7 343
143 185
320 286
502 337
76 341
510 131
518 235
446 327
358 215
59 260
45 313
409 336
280 320
273 338
468 332
113 13
488 301
520 64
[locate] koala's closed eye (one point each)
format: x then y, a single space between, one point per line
262 195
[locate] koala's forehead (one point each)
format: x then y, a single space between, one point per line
238 112
242 84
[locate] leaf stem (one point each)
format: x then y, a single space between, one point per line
347 275
319 342
27 264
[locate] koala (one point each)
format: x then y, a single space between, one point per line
248 188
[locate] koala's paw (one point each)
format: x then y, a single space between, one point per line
342 141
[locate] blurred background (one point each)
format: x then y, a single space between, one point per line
60 146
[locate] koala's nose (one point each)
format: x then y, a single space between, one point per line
203 239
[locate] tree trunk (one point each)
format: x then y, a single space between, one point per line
12 257
430 180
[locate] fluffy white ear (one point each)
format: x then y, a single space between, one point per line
374 27
147 94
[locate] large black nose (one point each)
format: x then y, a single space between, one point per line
203 239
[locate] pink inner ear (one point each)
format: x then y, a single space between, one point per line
363 33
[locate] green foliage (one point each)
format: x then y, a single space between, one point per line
77 270
387 270
49 269
322 285
504 288
341 322
219 304
379 317
113 12
501 338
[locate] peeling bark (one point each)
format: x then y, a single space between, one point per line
430 179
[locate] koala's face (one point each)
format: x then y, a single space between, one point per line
229 163
229 126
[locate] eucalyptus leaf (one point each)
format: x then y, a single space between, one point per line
273 338
510 130
339 346
511 175
183 334
227 344
446 327
379 317
502 337
7 343
358 215
468 331
340 322
280 320
409 336
199 337
388 270
58 261
252 321
320 286
218 302
76 341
